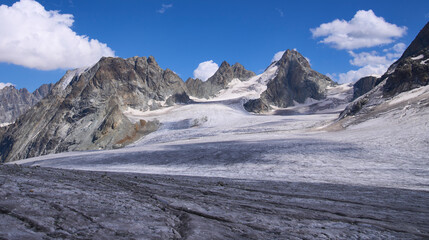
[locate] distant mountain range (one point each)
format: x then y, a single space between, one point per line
14 102
85 110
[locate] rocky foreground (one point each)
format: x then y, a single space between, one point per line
45 203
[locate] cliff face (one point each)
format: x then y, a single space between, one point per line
295 81
85 109
224 75
14 102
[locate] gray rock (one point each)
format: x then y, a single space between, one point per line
14 102
218 81
295 81
421 41
405 74
363 86
85 109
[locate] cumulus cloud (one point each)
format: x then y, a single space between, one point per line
3 85
354 75
370 63
36 38
365 29
277 56
164 8
205 70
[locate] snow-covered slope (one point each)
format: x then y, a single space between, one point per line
249 89
221 139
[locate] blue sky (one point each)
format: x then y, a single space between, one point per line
181 34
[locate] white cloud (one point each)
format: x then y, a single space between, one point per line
3 85
397 49
205 70
365 29
371 63
164 8
354 75
36 38
277 56
368 58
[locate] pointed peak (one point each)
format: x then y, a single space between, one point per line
237 65
151 60
224 64
8 87
292 55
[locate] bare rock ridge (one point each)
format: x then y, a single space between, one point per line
85 109
409 72
224 75
295 81
14 102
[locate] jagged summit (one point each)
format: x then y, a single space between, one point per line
295 81
14 102
292 55
85 108
220 80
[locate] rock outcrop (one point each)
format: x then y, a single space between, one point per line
85 109
220 80
409 72
295 81
363 86
14 102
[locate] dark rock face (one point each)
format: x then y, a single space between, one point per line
363 86
295 81
420 42
85 109
409 72
257 106
218 81
14 102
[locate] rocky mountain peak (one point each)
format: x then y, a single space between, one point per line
292 57
14 102
421 41
220 80
295 82
224 65
87 109
151 60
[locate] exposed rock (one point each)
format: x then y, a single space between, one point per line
257 106
363 86
43 91
295 81
14 102
409 72
85 109
420 42
224 75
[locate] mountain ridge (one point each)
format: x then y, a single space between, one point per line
14 102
